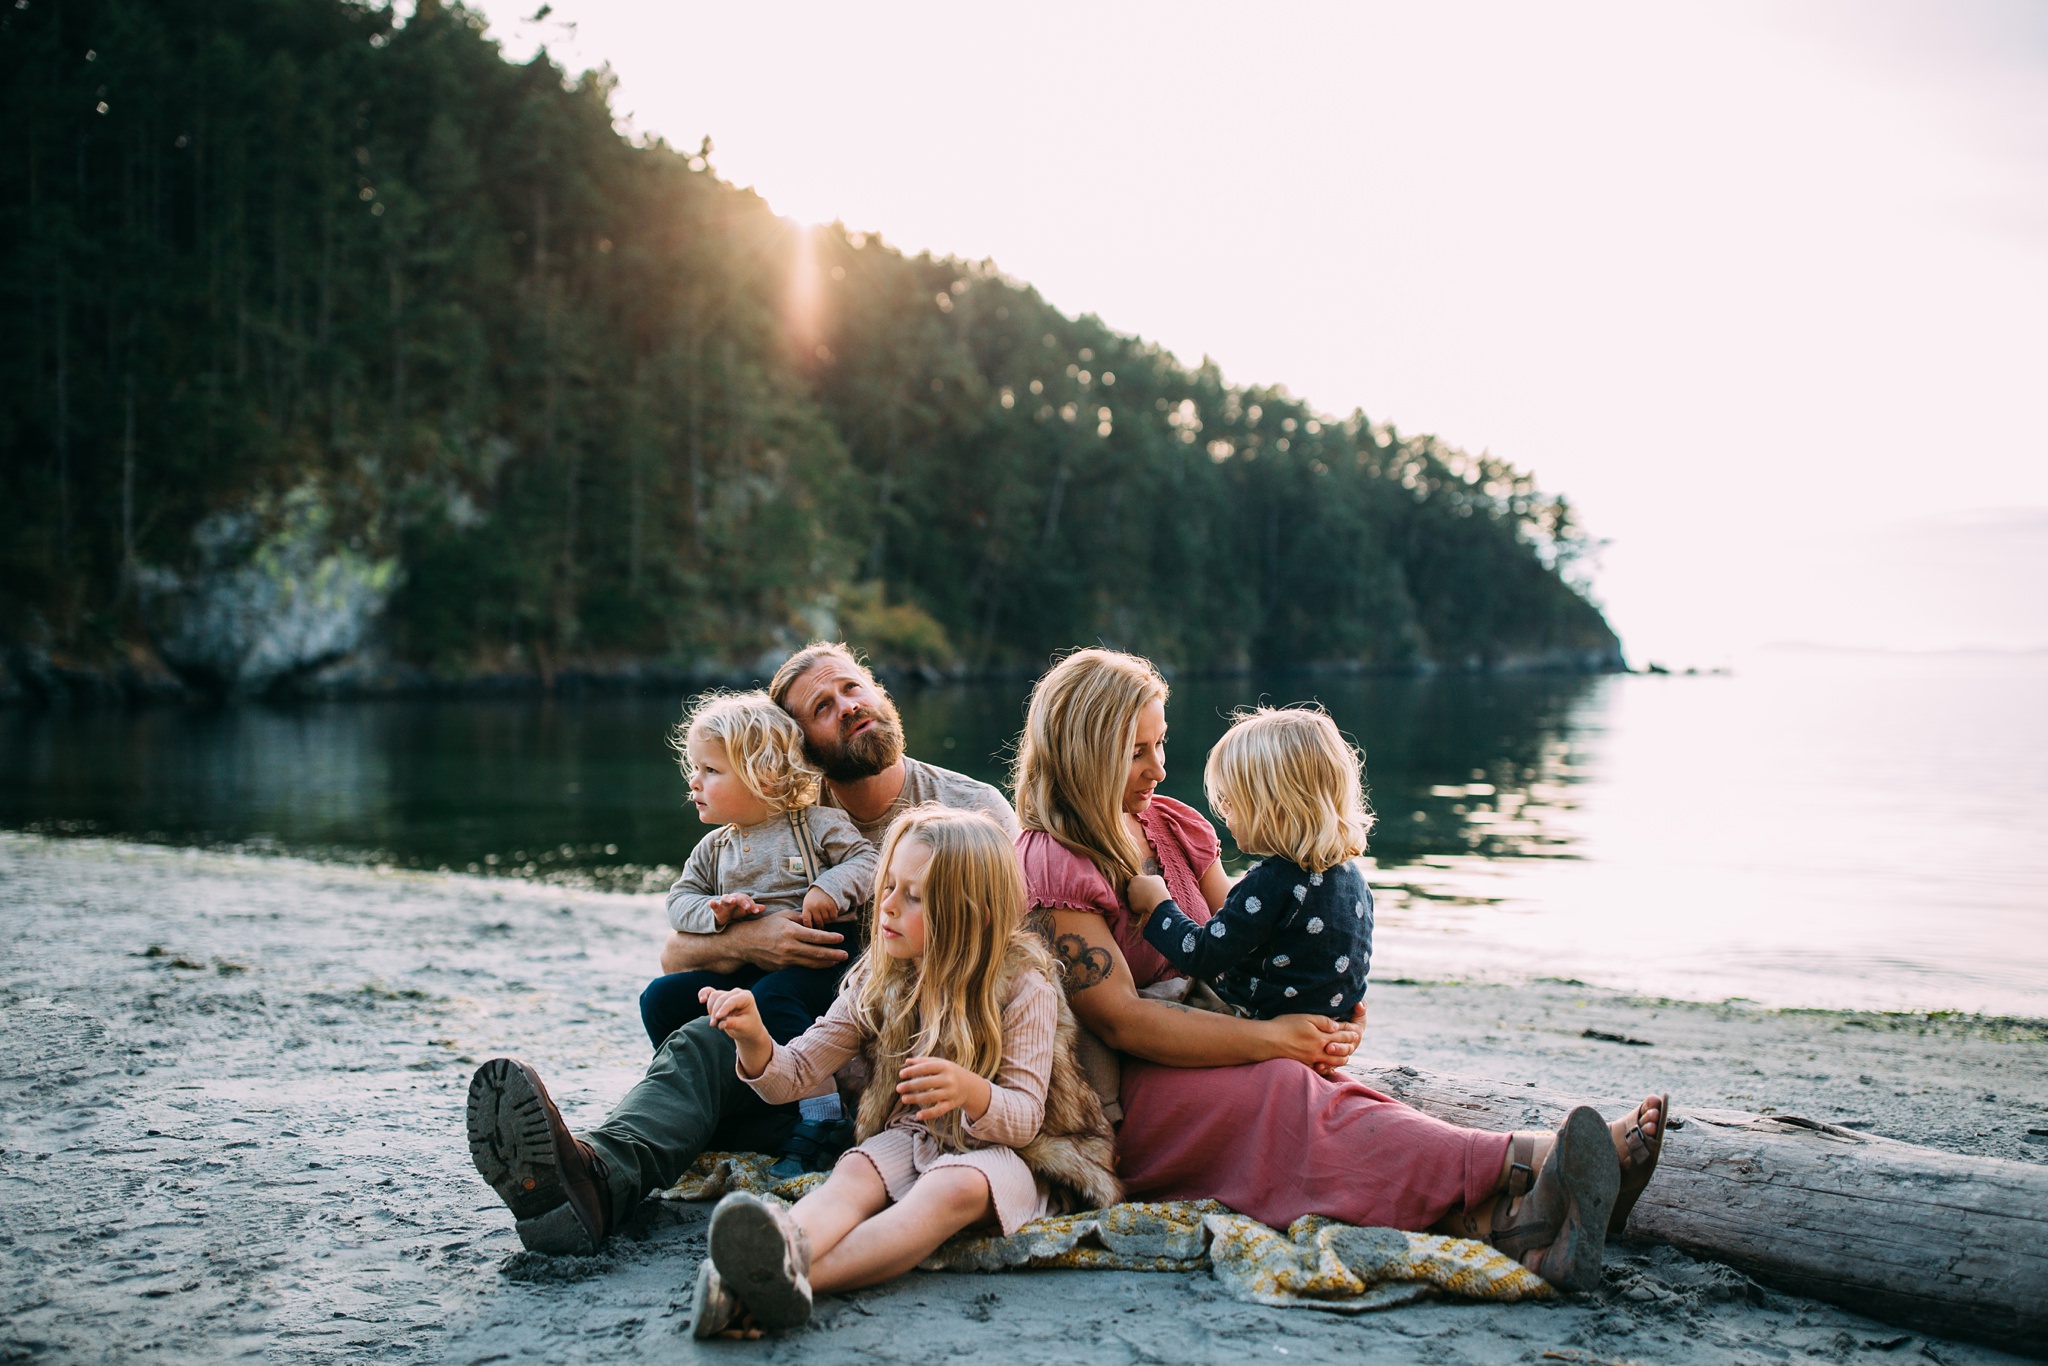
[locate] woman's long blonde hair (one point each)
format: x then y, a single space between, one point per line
948 1003
1290 785
762 743
1076 754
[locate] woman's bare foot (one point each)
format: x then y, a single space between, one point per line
1638 1143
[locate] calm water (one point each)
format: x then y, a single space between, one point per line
1812 830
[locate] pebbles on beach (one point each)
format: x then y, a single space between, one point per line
230 1126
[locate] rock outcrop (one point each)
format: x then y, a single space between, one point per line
269 596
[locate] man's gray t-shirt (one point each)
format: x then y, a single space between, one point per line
923 782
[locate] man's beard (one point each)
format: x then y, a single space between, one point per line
878 747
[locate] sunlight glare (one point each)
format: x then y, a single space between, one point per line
804 305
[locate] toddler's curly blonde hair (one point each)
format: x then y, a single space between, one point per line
1290 784
764 746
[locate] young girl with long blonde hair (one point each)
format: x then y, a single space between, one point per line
973 1109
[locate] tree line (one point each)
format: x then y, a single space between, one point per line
596 403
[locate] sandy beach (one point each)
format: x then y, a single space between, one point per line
231 1092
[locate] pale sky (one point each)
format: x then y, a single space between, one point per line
1762 288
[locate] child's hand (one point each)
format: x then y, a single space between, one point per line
733 1012
1145 892
819 909
934 1087
734 906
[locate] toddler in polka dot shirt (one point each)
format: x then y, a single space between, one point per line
1295 934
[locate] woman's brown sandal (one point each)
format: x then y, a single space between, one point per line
1641 1162
1563 1213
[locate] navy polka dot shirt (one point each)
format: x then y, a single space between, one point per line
1286 942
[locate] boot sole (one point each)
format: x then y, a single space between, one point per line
514 1151
754 1260
1592 1177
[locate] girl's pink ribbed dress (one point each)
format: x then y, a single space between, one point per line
1269 1139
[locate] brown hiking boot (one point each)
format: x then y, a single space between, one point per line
554 1184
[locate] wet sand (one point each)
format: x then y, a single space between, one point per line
231 1127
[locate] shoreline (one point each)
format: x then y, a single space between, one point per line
37 682
629 880
249 1141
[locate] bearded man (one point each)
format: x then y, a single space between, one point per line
568 1193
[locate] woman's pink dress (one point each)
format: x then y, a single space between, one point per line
1269 1139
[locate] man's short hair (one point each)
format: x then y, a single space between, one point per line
806 659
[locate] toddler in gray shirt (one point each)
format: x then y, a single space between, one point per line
776 852
776 848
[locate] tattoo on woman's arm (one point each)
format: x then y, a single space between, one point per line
1039 922
1086 966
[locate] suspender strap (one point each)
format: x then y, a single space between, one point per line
800 826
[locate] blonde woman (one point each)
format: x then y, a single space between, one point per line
970 1114
1256 1112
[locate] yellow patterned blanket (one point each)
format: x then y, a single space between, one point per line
1317 1264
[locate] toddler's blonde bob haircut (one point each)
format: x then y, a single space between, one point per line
764 745
1291 787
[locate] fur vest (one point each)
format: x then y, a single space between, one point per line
1075 1147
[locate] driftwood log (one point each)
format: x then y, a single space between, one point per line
1925 1239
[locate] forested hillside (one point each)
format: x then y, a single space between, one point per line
372 322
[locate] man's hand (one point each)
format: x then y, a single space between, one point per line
782 940
1314 1040
734 906
1145 892
820 909
934 1087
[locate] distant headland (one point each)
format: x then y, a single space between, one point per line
352 357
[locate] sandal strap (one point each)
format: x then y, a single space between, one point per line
1530 1219
1642 1148
1521 1165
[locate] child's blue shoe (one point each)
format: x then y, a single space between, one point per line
814 1145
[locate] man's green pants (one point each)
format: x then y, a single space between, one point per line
691 1098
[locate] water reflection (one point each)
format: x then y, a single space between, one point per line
427 784
1463 767
1809 833
1455 765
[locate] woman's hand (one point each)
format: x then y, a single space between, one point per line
935 1087
1344 1041
735 1013
819 909
1314 1040
1145 892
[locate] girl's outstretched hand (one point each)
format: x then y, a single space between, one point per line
733 1011
934 1087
